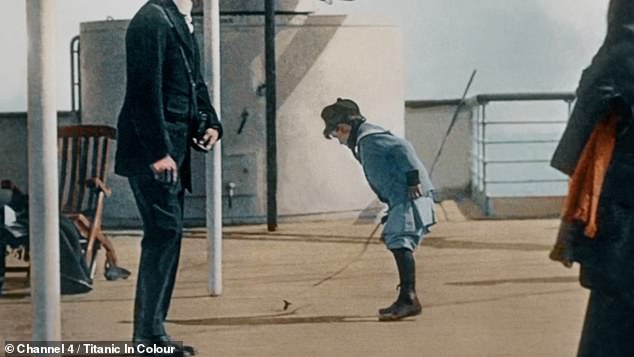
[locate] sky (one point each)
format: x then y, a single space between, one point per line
515 45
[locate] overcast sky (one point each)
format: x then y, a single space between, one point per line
516 45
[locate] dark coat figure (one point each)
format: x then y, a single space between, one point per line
166 110
607 260
166 102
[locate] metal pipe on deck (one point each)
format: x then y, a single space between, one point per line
271 113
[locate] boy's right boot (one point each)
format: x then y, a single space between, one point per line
407 303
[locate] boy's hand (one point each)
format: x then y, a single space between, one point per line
415 191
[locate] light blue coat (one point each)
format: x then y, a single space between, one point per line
386 159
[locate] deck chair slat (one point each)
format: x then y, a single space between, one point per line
63 182
94 159
104 157
74 173
84 146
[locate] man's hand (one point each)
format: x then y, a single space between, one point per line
165 170
415 192
208 139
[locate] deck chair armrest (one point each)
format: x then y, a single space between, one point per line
95 183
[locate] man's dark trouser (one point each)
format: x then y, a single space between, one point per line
161 208
608 329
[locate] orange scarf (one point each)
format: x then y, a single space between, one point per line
584 188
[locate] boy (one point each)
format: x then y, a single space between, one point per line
400 180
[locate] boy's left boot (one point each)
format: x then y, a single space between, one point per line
407 303
403 307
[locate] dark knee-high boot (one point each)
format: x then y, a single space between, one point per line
407 303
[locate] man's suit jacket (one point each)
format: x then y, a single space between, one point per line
164 93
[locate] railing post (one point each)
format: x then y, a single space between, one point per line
487 202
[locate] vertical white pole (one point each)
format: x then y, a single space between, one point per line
42 156
213 162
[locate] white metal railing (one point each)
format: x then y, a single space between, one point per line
513 138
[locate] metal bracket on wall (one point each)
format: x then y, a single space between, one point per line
260 91
243 116
231 191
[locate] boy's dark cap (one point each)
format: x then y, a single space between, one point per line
341 106
337 112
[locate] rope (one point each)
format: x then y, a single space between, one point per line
366 244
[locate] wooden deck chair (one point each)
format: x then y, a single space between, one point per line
83 162
83 166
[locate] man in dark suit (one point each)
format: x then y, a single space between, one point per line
166 110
